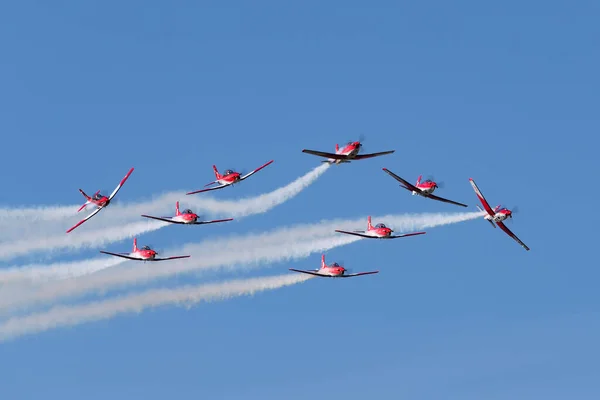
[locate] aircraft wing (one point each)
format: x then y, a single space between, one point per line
315 273
172 221
406 185
381 153
211 222
255 171
484 202
164 219
358 274
327 155
438 198
168 258
512 235
96 211
209 189
121 255
379 237
120 185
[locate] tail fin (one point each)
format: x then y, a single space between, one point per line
323 261
369 226
87 198
217 174
419 179
497 207
177 209
135 245
337 148
488 220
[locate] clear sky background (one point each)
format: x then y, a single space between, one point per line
505 93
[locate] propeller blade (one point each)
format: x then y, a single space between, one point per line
440 184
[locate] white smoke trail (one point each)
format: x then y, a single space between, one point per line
278 245
164 205
87 239
136 303
38 213
40 273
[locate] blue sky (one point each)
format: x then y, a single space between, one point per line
504 93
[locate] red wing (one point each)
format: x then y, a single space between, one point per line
407 185
481 198
121 255
96 211
324 154
168 258
363 156
434 197
512 235
209 189
358 274
164 219
211 222
120 185
255 171
356 234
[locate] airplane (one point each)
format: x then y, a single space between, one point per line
99 200
379 231
497 215
187 217
229 178
425 188
347 153
332 271
141 254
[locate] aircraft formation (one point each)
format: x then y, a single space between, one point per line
350 152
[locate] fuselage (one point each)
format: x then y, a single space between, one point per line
334 270
186 218
144 254
379 232
229 178
350 150
100 201
427 187
500 215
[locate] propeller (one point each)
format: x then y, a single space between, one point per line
440 184
515 209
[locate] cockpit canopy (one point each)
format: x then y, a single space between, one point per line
146 248
187 211
229 171
98 196
335 265
380 226
428 181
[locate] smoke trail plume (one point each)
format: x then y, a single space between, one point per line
278 245
162 205
87 239
40 273
136 303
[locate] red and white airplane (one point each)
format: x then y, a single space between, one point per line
425 188
332 271
229 178
142 254
379 231
99 200
497 215
187 217
345 154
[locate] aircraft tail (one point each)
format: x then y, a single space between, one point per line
177 209
337 147
488 220
369 226
419 179
135 245
87 198
322 260
217 174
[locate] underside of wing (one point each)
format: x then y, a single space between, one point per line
434 197
208 189
211 222
164 219
324 154
381 153
512 235
255 171
120 185
121 255
484 202
405 183
407 234
168 258
309 272
96 211
359 274
356 234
